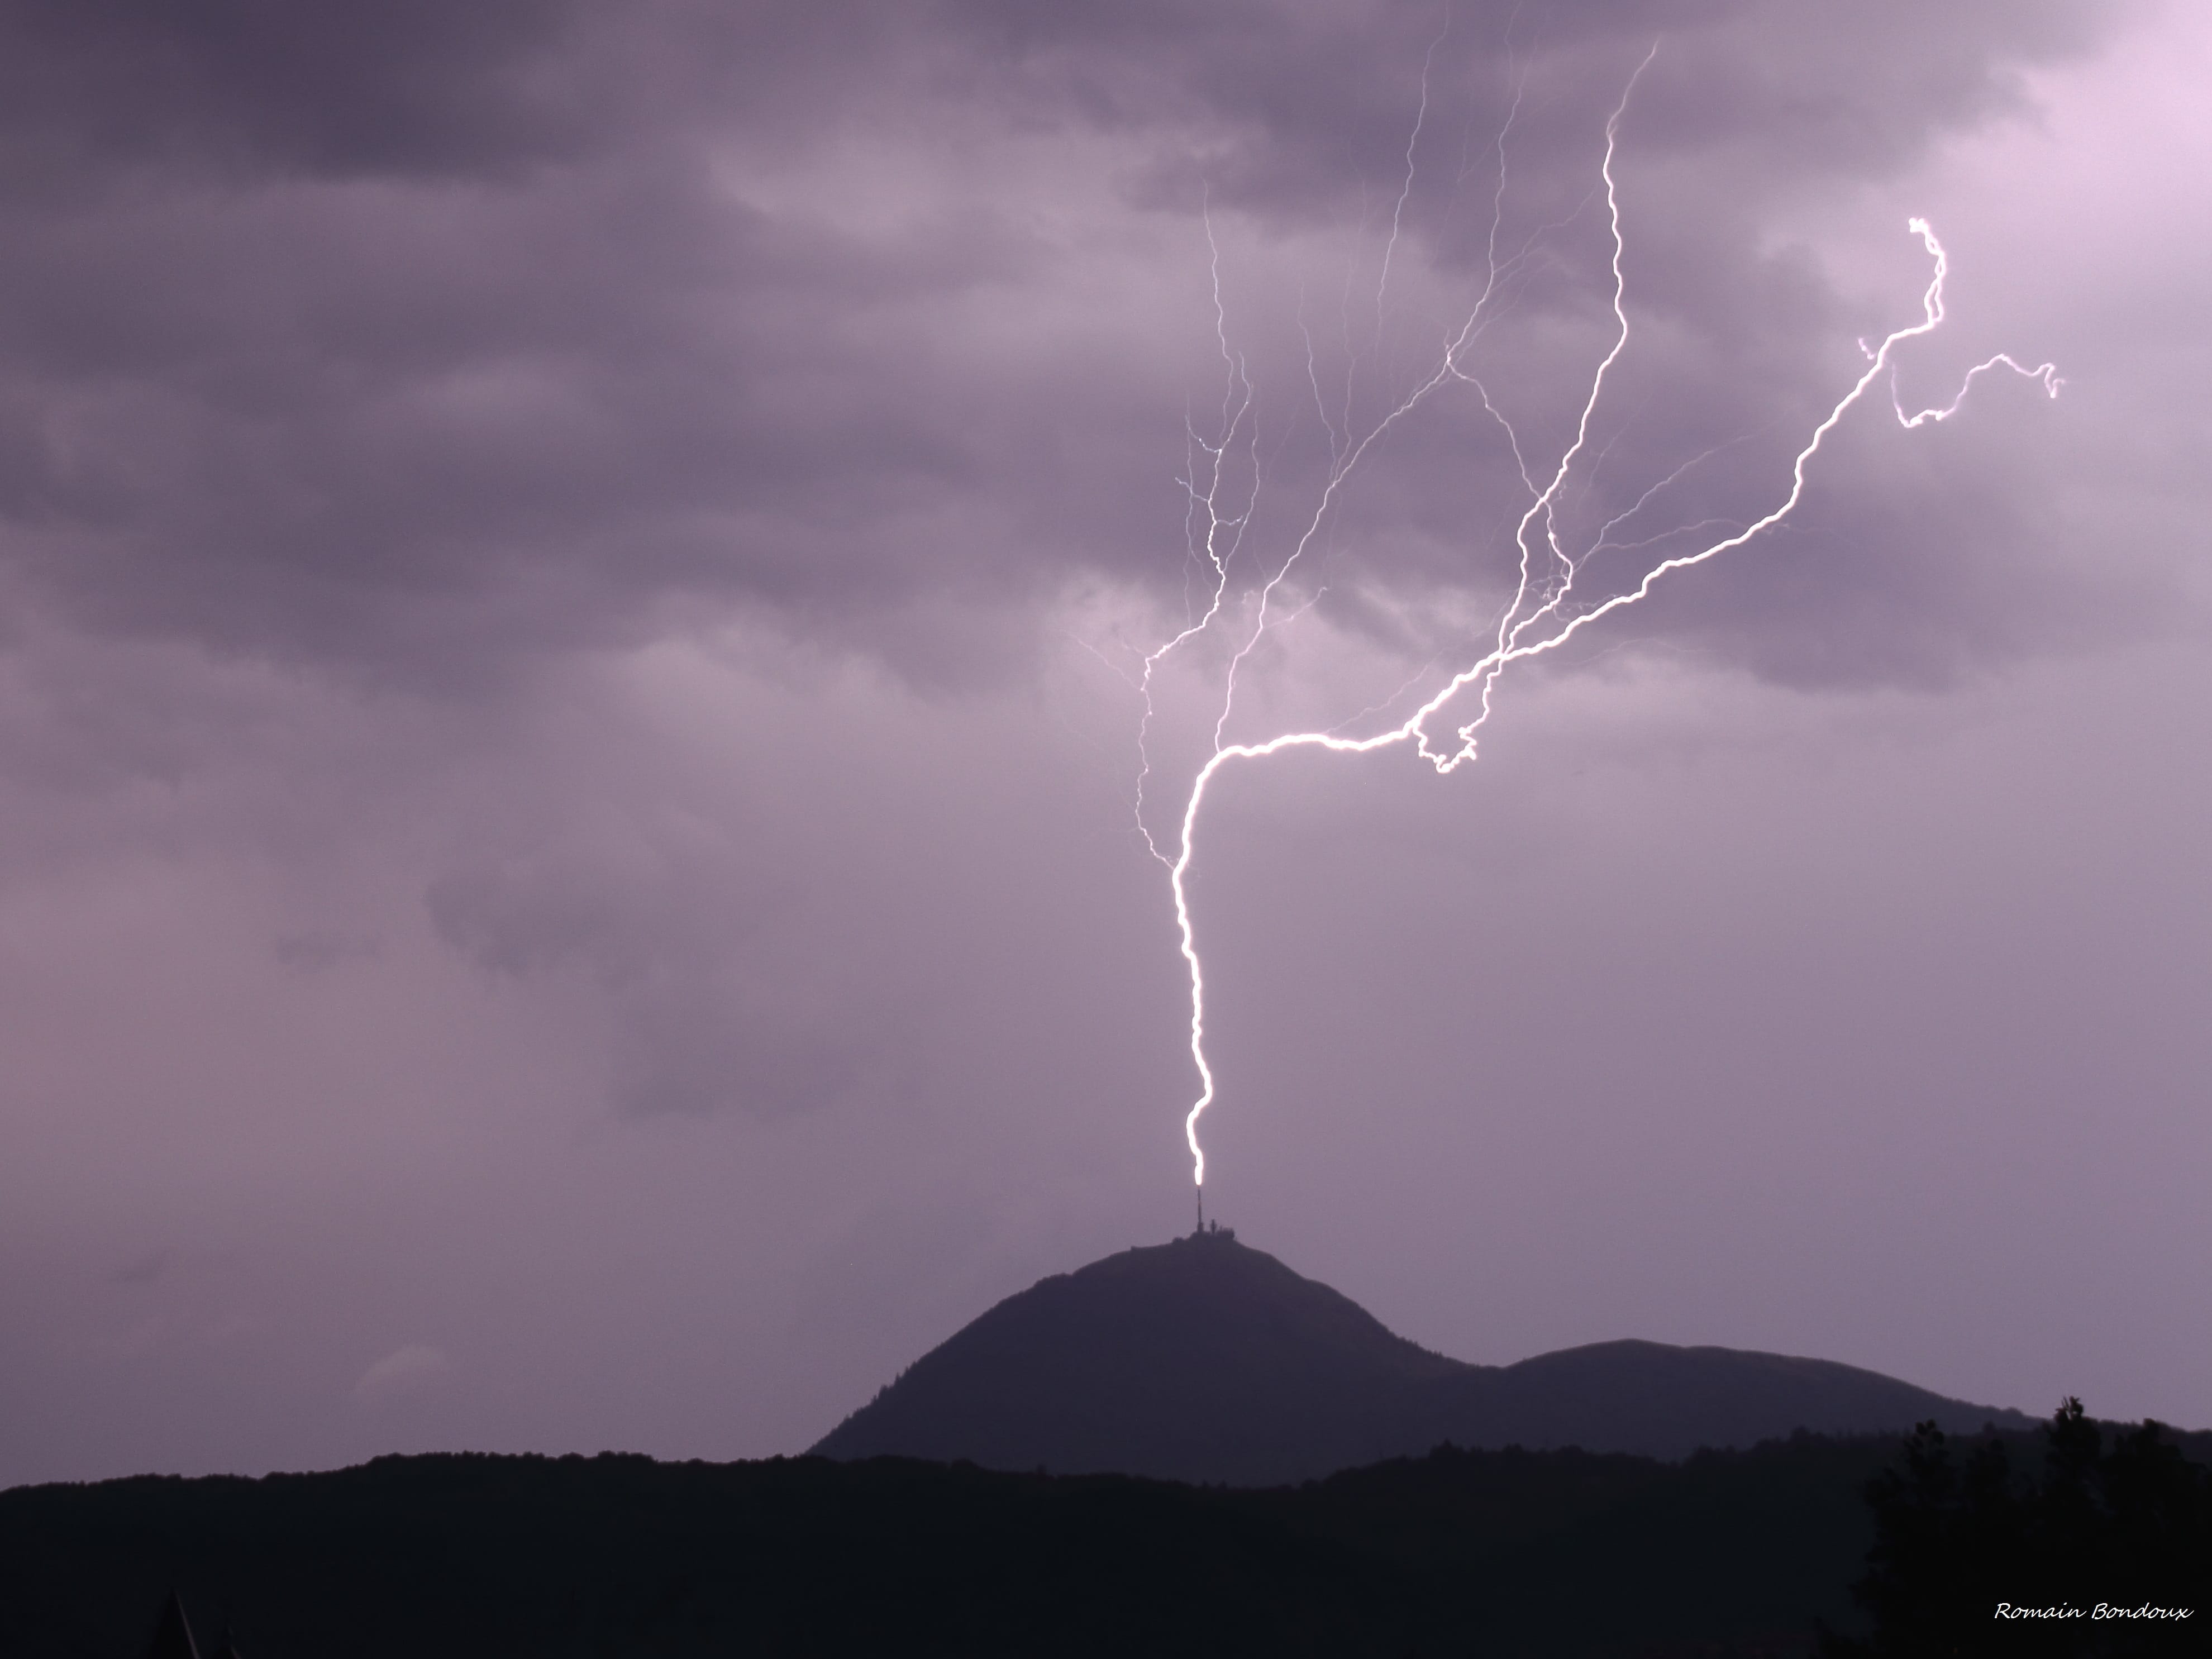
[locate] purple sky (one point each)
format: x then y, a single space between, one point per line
569 575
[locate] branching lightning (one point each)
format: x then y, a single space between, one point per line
1544 612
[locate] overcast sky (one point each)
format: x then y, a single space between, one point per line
571 581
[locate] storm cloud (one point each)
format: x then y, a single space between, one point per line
435 343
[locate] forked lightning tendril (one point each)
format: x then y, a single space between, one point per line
1538 619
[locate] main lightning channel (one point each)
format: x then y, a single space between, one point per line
1544 586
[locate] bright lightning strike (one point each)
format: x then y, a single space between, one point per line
1537 620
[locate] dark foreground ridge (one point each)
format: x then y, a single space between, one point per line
1204 1359
1501 1555
468 1555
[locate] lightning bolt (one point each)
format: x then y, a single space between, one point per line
1543 614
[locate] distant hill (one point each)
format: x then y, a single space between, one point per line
1206 1360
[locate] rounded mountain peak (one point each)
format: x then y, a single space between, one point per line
1198 1355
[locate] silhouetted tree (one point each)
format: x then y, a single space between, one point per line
173 1633
1972 1556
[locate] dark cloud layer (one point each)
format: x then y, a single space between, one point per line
412 90
444 338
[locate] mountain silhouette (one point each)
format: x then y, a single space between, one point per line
1206 1360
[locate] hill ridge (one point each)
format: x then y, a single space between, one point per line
1205 1359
